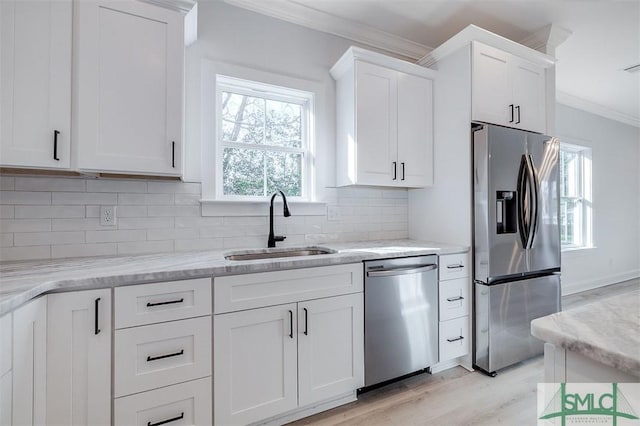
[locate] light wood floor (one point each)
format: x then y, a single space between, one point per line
457 396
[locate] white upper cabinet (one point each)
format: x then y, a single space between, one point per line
507 90
35 83
384 121
130 66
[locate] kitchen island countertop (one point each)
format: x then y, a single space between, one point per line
23 281
607 331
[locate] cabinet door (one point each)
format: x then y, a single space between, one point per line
528 95
330 347
376 125
491 94
35 83
415 131
130 77
254 364
29 363
79 358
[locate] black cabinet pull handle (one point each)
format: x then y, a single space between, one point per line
173 154
518 111
511 108
164 422
455 339
55 145
96 326
453 299
155 358
395 172
458 266
306 322
402 171
291 323
170 302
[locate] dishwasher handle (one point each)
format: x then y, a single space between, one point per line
413 269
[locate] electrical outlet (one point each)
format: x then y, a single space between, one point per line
108 215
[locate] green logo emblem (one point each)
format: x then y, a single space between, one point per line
612 404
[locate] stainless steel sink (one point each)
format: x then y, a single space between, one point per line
271 254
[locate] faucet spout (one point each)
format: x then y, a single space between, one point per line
272 237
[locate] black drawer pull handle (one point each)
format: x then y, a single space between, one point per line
291 323
453 299
458 266
173 154
96 325
55 145
306 322
455 339
155 358
402 171
170 302
164 422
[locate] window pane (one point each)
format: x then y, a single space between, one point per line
243 172
569 174
570 222
242 118
284 173
284 124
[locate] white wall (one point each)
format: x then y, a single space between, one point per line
616 200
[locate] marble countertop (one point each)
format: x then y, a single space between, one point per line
22 281
607 331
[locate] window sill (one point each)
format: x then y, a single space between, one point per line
577 251
260 208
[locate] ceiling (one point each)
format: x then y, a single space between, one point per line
605 36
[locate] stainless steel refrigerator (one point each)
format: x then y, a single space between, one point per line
516 241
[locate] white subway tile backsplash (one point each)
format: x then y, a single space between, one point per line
142 247
50 184
99 185
59 217
7 212
24 253
84 250
49 212
45 238
84 198
24 197
25 225
6 240
116 236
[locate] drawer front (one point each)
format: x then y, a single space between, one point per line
158 302
454 298
6 341
158 355
454 338
183 404
239 292
453 266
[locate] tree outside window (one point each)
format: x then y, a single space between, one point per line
263 139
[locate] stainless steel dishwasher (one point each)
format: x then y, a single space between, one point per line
401 317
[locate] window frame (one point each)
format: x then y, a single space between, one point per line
584 194
267 91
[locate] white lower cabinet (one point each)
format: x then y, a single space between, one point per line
454 288
29 363
454 338
272 360
79 358
183 404
255 364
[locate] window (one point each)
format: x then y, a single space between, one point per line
575 196
263 140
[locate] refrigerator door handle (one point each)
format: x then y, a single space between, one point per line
523 226
535 196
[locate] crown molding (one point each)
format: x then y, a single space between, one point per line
547 38
597 109
474 33
183 6
346 62
305 16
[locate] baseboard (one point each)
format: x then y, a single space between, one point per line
441 366
579 286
